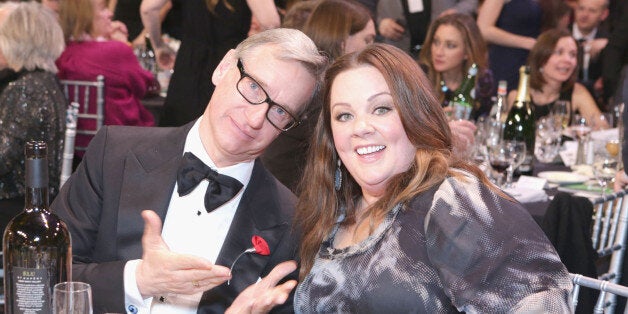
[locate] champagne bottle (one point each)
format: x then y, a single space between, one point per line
462 103
520 124
36 245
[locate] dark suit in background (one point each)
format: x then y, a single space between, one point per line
127 170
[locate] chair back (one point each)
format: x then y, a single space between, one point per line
68 143
605 287
90 95
609 235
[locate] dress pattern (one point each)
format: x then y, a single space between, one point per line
456 247
31 108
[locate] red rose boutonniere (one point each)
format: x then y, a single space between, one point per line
259 247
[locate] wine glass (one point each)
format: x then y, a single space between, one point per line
560 112
500 157
517 151
604 170
72 297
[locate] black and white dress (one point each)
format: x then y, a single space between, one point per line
456 247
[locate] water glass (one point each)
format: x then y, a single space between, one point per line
548 140
72 298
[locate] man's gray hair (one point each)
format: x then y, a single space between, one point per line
30 36
289 45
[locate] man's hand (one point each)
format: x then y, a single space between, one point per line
597 45
621 180
463 136
391 29
262 296
162 272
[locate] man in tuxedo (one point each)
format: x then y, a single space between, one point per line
132 178
588 15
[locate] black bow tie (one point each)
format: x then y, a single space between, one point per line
221 188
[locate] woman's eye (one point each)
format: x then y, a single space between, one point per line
382 110
451 46
343 117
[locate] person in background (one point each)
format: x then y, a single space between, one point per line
92 50
395 222
615 57
553 63
52 5
334 34
592 39
128 12
510 27
406 27
32 104
297 14
453 43
203 180
210 28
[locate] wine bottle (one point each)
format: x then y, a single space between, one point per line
520 124
462 103
36 245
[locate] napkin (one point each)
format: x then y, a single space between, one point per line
526 195
568 152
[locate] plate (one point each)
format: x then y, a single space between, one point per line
562 177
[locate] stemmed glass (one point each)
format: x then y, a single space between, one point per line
72 297
500 157
518 154
560 112
604 170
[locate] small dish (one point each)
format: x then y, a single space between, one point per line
562 177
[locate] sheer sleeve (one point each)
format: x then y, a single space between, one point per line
490 254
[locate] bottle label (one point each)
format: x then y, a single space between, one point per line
32 290
461 110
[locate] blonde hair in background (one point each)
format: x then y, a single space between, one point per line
30 36
76 18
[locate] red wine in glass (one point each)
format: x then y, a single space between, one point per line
500 165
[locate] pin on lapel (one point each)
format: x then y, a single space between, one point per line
259 247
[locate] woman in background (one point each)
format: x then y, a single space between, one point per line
32 104
511 28
91 51
209 29
452 45
553 65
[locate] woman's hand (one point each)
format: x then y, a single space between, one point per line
262 296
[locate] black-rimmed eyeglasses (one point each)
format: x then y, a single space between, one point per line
253 92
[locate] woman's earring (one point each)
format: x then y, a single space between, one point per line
338 177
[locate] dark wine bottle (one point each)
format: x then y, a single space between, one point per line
519 124
36 245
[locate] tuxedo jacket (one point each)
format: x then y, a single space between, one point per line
130 169
595 65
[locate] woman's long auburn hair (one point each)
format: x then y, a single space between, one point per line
425 125
474 46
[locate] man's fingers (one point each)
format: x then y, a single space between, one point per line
152 230
279 272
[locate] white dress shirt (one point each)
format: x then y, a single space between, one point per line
188 232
